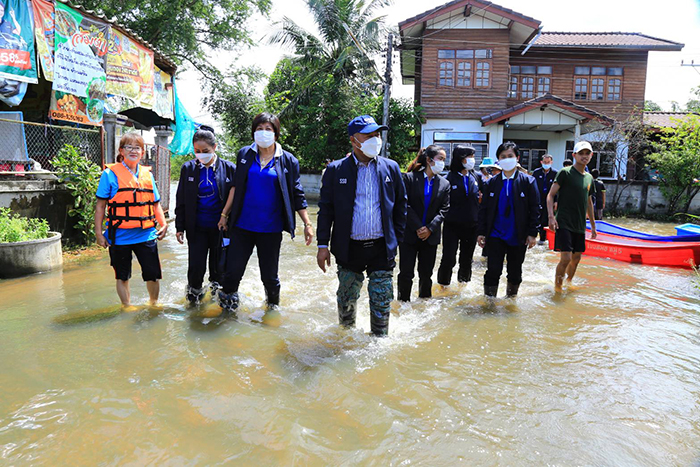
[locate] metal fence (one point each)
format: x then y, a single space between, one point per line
27 146
158 158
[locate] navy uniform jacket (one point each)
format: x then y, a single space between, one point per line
526 206
287 168
188 189
337 204
544 183
464 209
437 208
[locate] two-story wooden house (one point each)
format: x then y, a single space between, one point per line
485 74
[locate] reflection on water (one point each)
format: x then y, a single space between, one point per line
607 374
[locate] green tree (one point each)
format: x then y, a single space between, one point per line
677 161
651 106
693 104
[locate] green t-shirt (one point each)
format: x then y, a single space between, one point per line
574 190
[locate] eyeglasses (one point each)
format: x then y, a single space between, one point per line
132 148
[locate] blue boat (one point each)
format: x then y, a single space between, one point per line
611 229
686 230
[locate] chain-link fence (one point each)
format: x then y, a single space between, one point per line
158 158
29 146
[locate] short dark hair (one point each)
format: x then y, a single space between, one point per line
506 146
459 153
205 133
595 173
421 160
547 155
568 163
266 117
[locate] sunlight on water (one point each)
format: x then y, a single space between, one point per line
606 373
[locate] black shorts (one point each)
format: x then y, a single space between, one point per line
566 240
147 255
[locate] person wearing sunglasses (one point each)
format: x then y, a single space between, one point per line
127 194
202 191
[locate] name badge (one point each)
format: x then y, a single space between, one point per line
343 181
491 194
243 161
522 195
454 187
190 179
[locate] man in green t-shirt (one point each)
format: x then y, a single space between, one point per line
575 188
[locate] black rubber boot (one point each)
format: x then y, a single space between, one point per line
405 287
346 314
214 288
490 290
464 276
195 296
228 302
512 289
273 298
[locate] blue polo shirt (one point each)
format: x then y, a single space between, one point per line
106 190
208 202
504 225
427 195
263 208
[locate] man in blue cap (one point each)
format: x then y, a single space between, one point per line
362 217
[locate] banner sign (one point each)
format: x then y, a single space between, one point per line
17 59
130 69
163 90
79 86
44 35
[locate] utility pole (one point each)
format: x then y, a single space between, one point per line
692 63
387 93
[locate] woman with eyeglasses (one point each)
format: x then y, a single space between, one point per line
129 197
201 193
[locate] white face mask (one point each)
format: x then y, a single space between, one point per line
264 138
204 157
508 164
372 147
468 163
438 167
546 166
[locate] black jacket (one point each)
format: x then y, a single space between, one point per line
188 188
437 208
464 208
526 206
287 167
337 204
544 183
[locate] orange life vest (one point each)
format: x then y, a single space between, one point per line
133 206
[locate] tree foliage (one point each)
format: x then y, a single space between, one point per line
15 228
693 104
677 160
651 106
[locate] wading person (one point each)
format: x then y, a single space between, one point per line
362 217
201 193
544 176
261 204
575 189
459 229
509 220
428 203
599 202
130 196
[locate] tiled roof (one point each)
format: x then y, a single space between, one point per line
487 4
666 119
614 40
539 101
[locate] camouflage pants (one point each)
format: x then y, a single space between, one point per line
381 293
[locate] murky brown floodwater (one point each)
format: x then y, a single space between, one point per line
608 374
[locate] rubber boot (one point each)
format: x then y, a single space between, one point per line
228 302
214 288
512 289
490 290
273 298
464 276
349 285
195 296
381 293
405 287
347 314
425 288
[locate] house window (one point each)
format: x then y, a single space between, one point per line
513 87
524 78
605 83
581 88
614 87
604 157
527 90
542 86
597 89
479 141
464 62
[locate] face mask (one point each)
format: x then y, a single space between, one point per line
546 166
508 164
264 138
204 157
468 163
438 167
372 147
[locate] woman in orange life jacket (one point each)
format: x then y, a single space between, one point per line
128 194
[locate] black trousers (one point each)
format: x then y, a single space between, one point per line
426 254
544 221
455 237
498 252
202 244
239 251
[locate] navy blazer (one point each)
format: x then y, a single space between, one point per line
337 204
186 199
544 183
287 167
526 206
464 208
437 208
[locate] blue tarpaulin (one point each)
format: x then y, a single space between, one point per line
184 128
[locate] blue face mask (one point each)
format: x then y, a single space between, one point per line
546 166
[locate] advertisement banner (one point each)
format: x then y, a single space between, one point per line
130 70
44 35
17 59
79 86
163 91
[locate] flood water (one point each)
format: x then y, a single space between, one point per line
608 374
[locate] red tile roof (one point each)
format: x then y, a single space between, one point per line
666 119
612 40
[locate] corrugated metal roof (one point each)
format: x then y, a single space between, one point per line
488 5
666 119
624 40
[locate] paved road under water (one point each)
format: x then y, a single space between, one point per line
608 374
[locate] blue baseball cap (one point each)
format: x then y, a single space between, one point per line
364 124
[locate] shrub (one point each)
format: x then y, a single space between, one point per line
15 228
